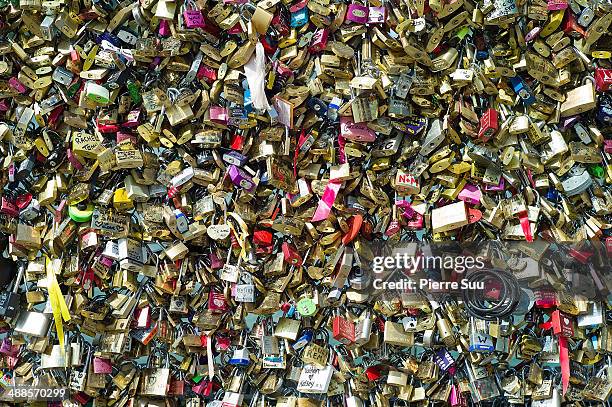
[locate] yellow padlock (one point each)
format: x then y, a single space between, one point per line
121 202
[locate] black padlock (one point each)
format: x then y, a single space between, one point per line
10 301
25 168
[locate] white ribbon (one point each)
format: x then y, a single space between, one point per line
255 71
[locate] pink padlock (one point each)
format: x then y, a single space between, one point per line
17 85
121 136
608 146
457 399
102 365
218 114
319 41
555 5
356 131
408 210
107 128
377 15
73 160
357 13
192 16
416 223
470 194
207 72
215 261
164 28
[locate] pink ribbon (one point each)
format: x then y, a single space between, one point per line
327 201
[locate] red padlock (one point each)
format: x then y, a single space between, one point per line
373 373
571 27
217 302
8 207
603 79
343 330
291 255
562 324
489 124
319 41
237 142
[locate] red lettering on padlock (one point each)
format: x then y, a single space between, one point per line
554 5
603 79
343 330
488 124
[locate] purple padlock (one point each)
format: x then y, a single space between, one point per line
470 194
357 13
234 158
496 188
240 178
377 15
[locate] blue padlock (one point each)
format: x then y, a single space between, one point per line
299 18
240 357
303 340
552 195
523 90
604 110
291 311
248 102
